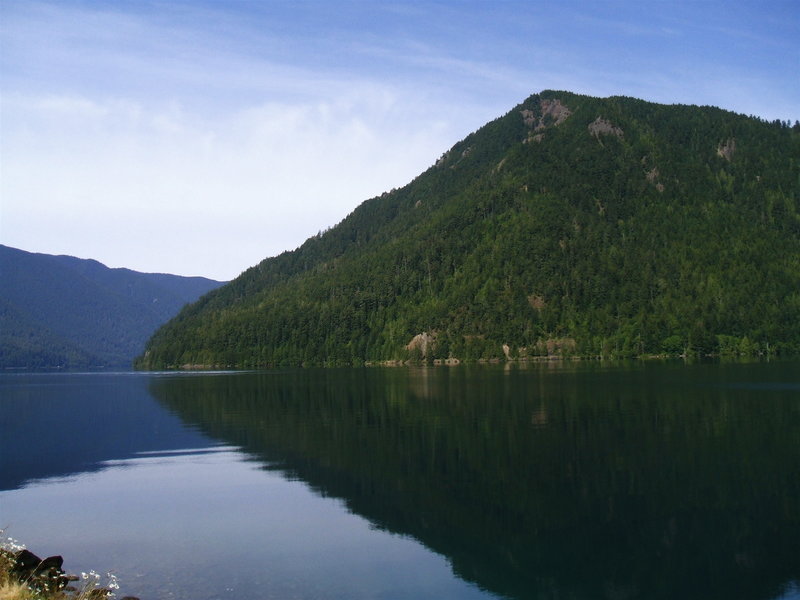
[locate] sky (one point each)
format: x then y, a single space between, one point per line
200 137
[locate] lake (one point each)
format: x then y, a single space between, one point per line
542 481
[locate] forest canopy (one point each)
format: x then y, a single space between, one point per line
572 225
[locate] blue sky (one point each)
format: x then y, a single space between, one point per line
198 138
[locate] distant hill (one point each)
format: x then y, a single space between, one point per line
571 225
61 311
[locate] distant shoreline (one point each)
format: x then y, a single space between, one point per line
453 362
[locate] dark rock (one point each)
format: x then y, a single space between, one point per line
38 573
25 561
51 562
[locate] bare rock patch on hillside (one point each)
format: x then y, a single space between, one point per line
601 126
727 149
553 113
421 343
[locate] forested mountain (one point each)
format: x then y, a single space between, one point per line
571 225
69 312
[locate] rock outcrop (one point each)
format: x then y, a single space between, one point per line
421 343
601 126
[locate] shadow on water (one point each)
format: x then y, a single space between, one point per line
574 482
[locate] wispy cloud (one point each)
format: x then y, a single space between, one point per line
274 173
201 137
241 156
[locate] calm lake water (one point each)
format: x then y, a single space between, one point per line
576 480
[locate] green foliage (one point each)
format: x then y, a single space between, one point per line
675 233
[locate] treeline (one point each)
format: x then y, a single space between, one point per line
571 225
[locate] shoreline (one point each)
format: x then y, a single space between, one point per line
25 576
453 361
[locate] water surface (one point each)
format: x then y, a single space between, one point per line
547 481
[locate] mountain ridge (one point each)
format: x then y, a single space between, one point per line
569 225
68 312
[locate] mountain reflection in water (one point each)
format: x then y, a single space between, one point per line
576 482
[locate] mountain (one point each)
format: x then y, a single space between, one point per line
572 225
74 313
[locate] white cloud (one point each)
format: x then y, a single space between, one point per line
149 143
201 139
234 189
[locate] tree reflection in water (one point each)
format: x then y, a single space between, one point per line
652 481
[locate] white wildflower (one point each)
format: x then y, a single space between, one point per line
11 545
